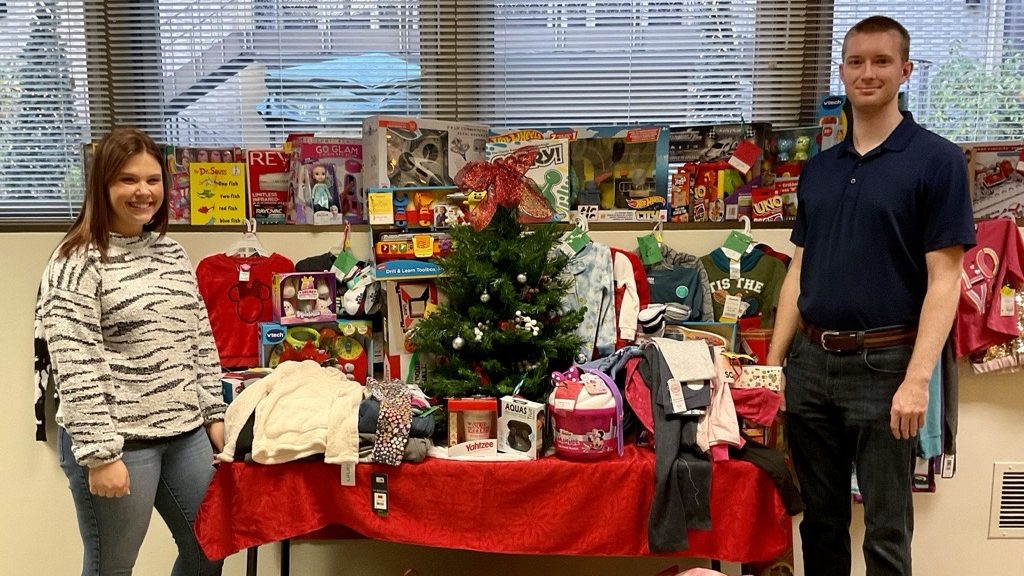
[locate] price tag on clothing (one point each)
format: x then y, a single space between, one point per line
344 262
1006 305
732 309
736 245
575 240
348 474
650 249
593 384
379 493
675 392
243 273
734 269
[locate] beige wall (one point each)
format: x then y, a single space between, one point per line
38 522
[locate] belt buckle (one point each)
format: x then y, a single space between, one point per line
825 334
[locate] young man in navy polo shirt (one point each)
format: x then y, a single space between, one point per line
882 223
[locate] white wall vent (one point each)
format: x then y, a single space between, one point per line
1007 516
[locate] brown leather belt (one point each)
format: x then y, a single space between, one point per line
852 341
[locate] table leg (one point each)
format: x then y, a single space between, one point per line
250 560
286 557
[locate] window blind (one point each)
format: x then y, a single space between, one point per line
248 72
43 115
967 83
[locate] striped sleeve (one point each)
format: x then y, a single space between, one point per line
211 395
71 321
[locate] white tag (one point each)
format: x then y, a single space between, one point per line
732 309
564 403
948 465
734 269
348 474
1006 306
243 273
593 384
675 390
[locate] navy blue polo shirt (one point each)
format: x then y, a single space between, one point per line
866 222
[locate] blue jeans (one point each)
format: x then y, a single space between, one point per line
837 417
171 476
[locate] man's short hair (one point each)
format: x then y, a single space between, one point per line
876 24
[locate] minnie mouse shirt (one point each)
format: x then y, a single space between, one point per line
236 307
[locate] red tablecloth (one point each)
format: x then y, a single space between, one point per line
549 506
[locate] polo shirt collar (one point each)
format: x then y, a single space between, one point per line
897 140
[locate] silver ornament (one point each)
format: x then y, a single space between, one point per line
581 358
458 343
521 278
485 297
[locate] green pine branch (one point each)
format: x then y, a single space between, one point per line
479 344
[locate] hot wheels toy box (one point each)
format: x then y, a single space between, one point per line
616 173
401 152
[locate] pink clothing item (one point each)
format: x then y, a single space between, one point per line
701 572
758 405
719 428
995 261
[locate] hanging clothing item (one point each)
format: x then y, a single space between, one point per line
680 290
671 259
985 317
394 420
758 286
631 293
592 286
682 476
238 305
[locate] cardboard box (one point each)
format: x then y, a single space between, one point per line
997 183
521 427
326 179
472 426
550 170
616 174
304 297
713 142
349 344
269 172
401 152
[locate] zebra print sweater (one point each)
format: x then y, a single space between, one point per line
130 344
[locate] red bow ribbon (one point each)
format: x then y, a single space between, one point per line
506 184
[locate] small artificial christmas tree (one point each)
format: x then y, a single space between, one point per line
502 328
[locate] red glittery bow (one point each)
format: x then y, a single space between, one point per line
506 184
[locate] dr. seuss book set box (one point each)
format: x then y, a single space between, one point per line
327 182
402 152
217 192
616 173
